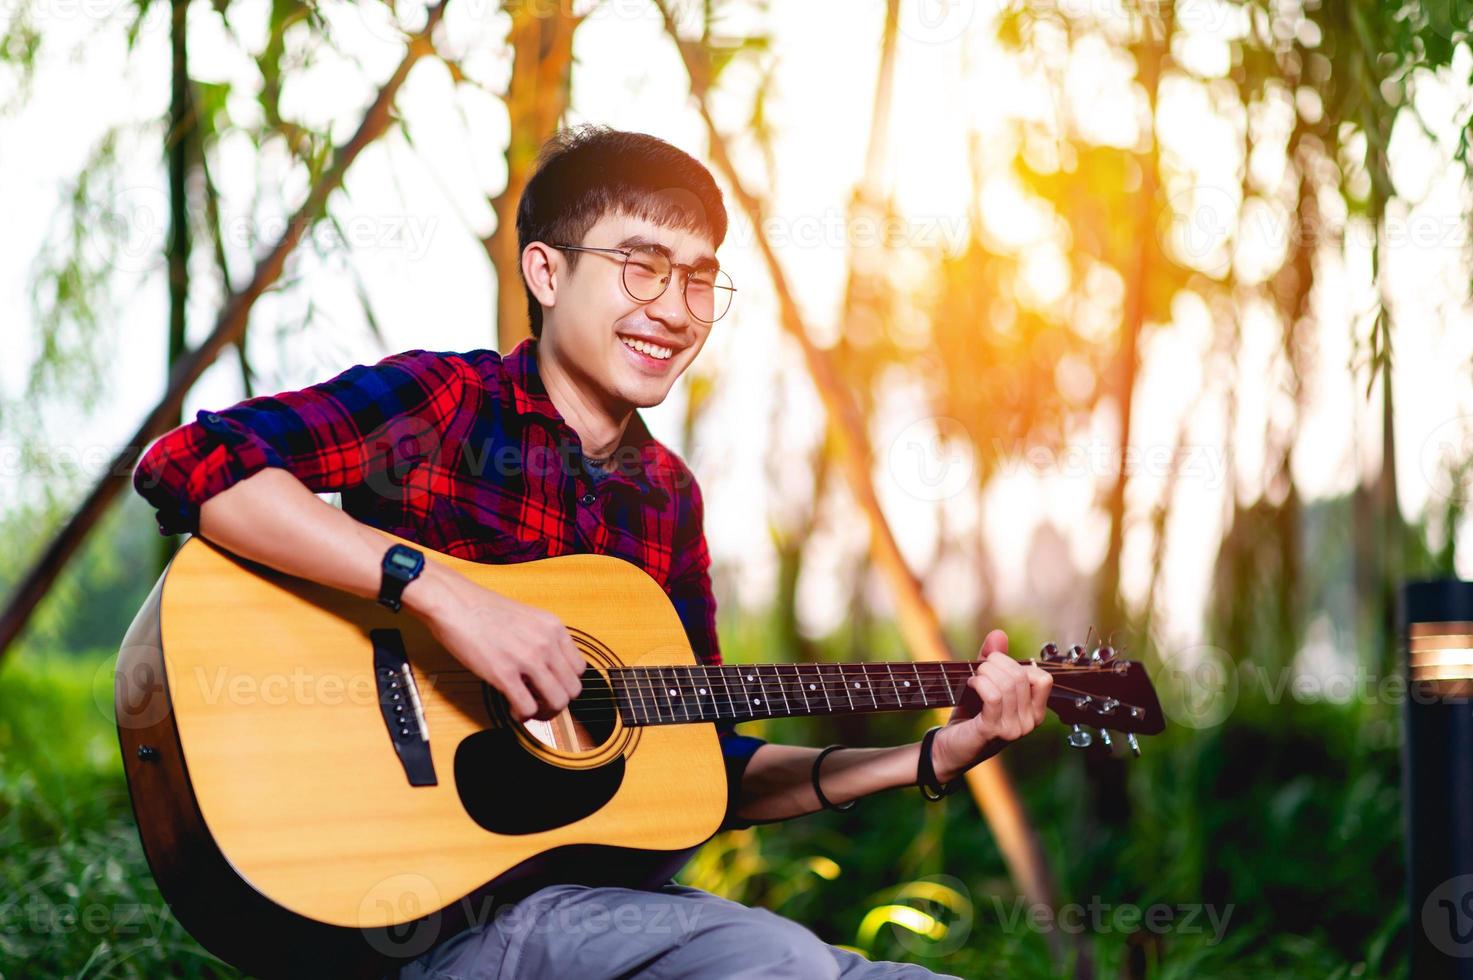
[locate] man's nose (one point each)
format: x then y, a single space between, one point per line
669 307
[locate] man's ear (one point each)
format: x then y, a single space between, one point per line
540 271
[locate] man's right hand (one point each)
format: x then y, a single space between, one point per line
524 652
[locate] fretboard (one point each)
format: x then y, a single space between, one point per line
733 692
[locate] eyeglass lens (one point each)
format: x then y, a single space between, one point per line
647 273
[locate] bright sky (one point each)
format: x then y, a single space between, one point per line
413 212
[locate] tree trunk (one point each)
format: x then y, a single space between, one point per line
541 41
182 134
1153 52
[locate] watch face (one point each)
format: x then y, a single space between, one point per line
404 560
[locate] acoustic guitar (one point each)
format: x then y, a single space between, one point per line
322 789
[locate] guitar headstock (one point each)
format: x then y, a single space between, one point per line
1095 688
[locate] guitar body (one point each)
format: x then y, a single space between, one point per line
297 820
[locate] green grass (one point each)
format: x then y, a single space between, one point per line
1286 822
78 900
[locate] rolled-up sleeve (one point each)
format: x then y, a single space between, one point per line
329 435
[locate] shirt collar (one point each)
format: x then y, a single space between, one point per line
527 395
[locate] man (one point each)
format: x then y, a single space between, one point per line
542 452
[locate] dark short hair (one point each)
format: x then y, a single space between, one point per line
586 172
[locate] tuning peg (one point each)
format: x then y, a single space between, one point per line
1135 747
1106 740
1075 654
1049 653
1102 655
1079 738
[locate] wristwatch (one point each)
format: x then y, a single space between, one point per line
402 565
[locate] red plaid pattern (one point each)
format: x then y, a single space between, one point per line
462 452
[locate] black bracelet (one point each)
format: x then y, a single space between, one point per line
824 800
931 788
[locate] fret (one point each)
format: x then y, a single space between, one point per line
802 690
664 710
954 693
725 672
763 675
647 693
671 687
834 683
777 674
890 674
844 682
746 709
813 687
791 689
823 688
718 677
688 702
863 683
625 696
700 692
936 674
754 702
916 668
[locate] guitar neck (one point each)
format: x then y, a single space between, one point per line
733 692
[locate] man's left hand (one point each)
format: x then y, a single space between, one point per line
1003 701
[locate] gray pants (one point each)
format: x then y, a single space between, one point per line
573 932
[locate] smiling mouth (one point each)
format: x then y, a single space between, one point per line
658 352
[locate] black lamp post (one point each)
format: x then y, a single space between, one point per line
1437 633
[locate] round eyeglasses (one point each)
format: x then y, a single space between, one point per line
649 268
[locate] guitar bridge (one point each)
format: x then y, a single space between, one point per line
399 702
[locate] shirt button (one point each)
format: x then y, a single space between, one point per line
212 417
588 499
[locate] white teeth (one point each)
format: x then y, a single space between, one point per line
653 350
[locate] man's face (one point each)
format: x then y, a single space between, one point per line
595 326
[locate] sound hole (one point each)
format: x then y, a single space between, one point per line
584 725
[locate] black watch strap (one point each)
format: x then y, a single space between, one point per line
402 565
